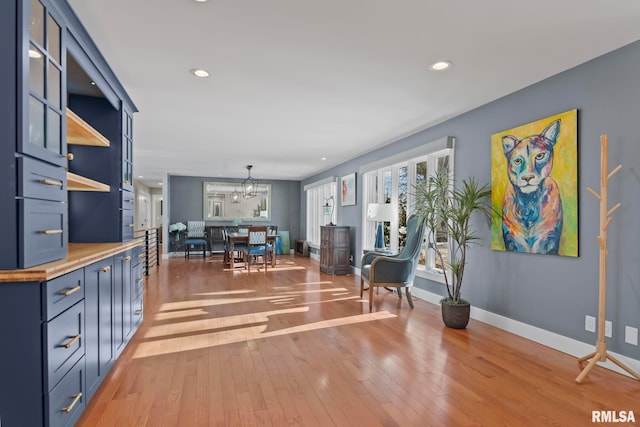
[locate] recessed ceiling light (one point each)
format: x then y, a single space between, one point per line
198 72
159 183
140 176
440 65
92 83
200 1
323 158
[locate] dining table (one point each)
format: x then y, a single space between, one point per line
235 238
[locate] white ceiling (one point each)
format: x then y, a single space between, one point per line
293 81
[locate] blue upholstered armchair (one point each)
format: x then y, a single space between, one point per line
395 271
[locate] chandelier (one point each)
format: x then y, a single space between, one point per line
249 185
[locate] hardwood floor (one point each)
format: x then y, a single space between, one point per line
294 347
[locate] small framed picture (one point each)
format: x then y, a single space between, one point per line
348 190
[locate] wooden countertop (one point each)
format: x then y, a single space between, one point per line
78 256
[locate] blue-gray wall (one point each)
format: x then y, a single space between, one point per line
185 202
550 292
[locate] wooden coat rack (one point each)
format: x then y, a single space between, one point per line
601 355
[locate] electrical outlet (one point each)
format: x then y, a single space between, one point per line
608 328
631 335
589 323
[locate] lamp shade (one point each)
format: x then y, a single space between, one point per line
380 212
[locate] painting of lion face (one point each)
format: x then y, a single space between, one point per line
534 187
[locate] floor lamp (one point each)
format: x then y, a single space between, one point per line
379 212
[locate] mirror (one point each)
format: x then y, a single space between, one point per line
223 201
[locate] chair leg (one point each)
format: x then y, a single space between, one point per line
370 297
399 289
361 286
408 291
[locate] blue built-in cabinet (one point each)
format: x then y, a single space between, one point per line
71 289
66 130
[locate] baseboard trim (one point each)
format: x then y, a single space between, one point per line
541 336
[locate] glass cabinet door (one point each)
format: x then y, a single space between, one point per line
45 86
127 150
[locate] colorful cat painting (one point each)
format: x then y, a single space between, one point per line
532 204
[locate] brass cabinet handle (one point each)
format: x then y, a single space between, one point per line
71 341
128 200
106 269
138 312
51 232
69 156
53 182
126 181
76 398
70 291
127 258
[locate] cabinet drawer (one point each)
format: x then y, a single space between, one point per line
138 307
39 180
127 225
127 199
64 343
43 231
66 401
62 292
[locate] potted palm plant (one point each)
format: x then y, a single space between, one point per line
448 215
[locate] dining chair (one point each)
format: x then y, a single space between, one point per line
257 246
195 237
237 253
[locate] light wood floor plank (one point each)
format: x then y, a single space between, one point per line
295 347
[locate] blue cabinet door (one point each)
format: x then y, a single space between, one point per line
99 318
122 300
43 81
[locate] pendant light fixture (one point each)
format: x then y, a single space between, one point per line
249 185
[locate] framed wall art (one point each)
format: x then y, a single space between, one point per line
348 190
534 186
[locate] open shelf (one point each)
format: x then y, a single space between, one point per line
80 132
80 183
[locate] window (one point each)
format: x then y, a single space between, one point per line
319 194
391 181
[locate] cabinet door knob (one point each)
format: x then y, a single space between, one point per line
69 156
106 269
70 291
53 182
51 232
127 258
138 312
76 398
71 341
